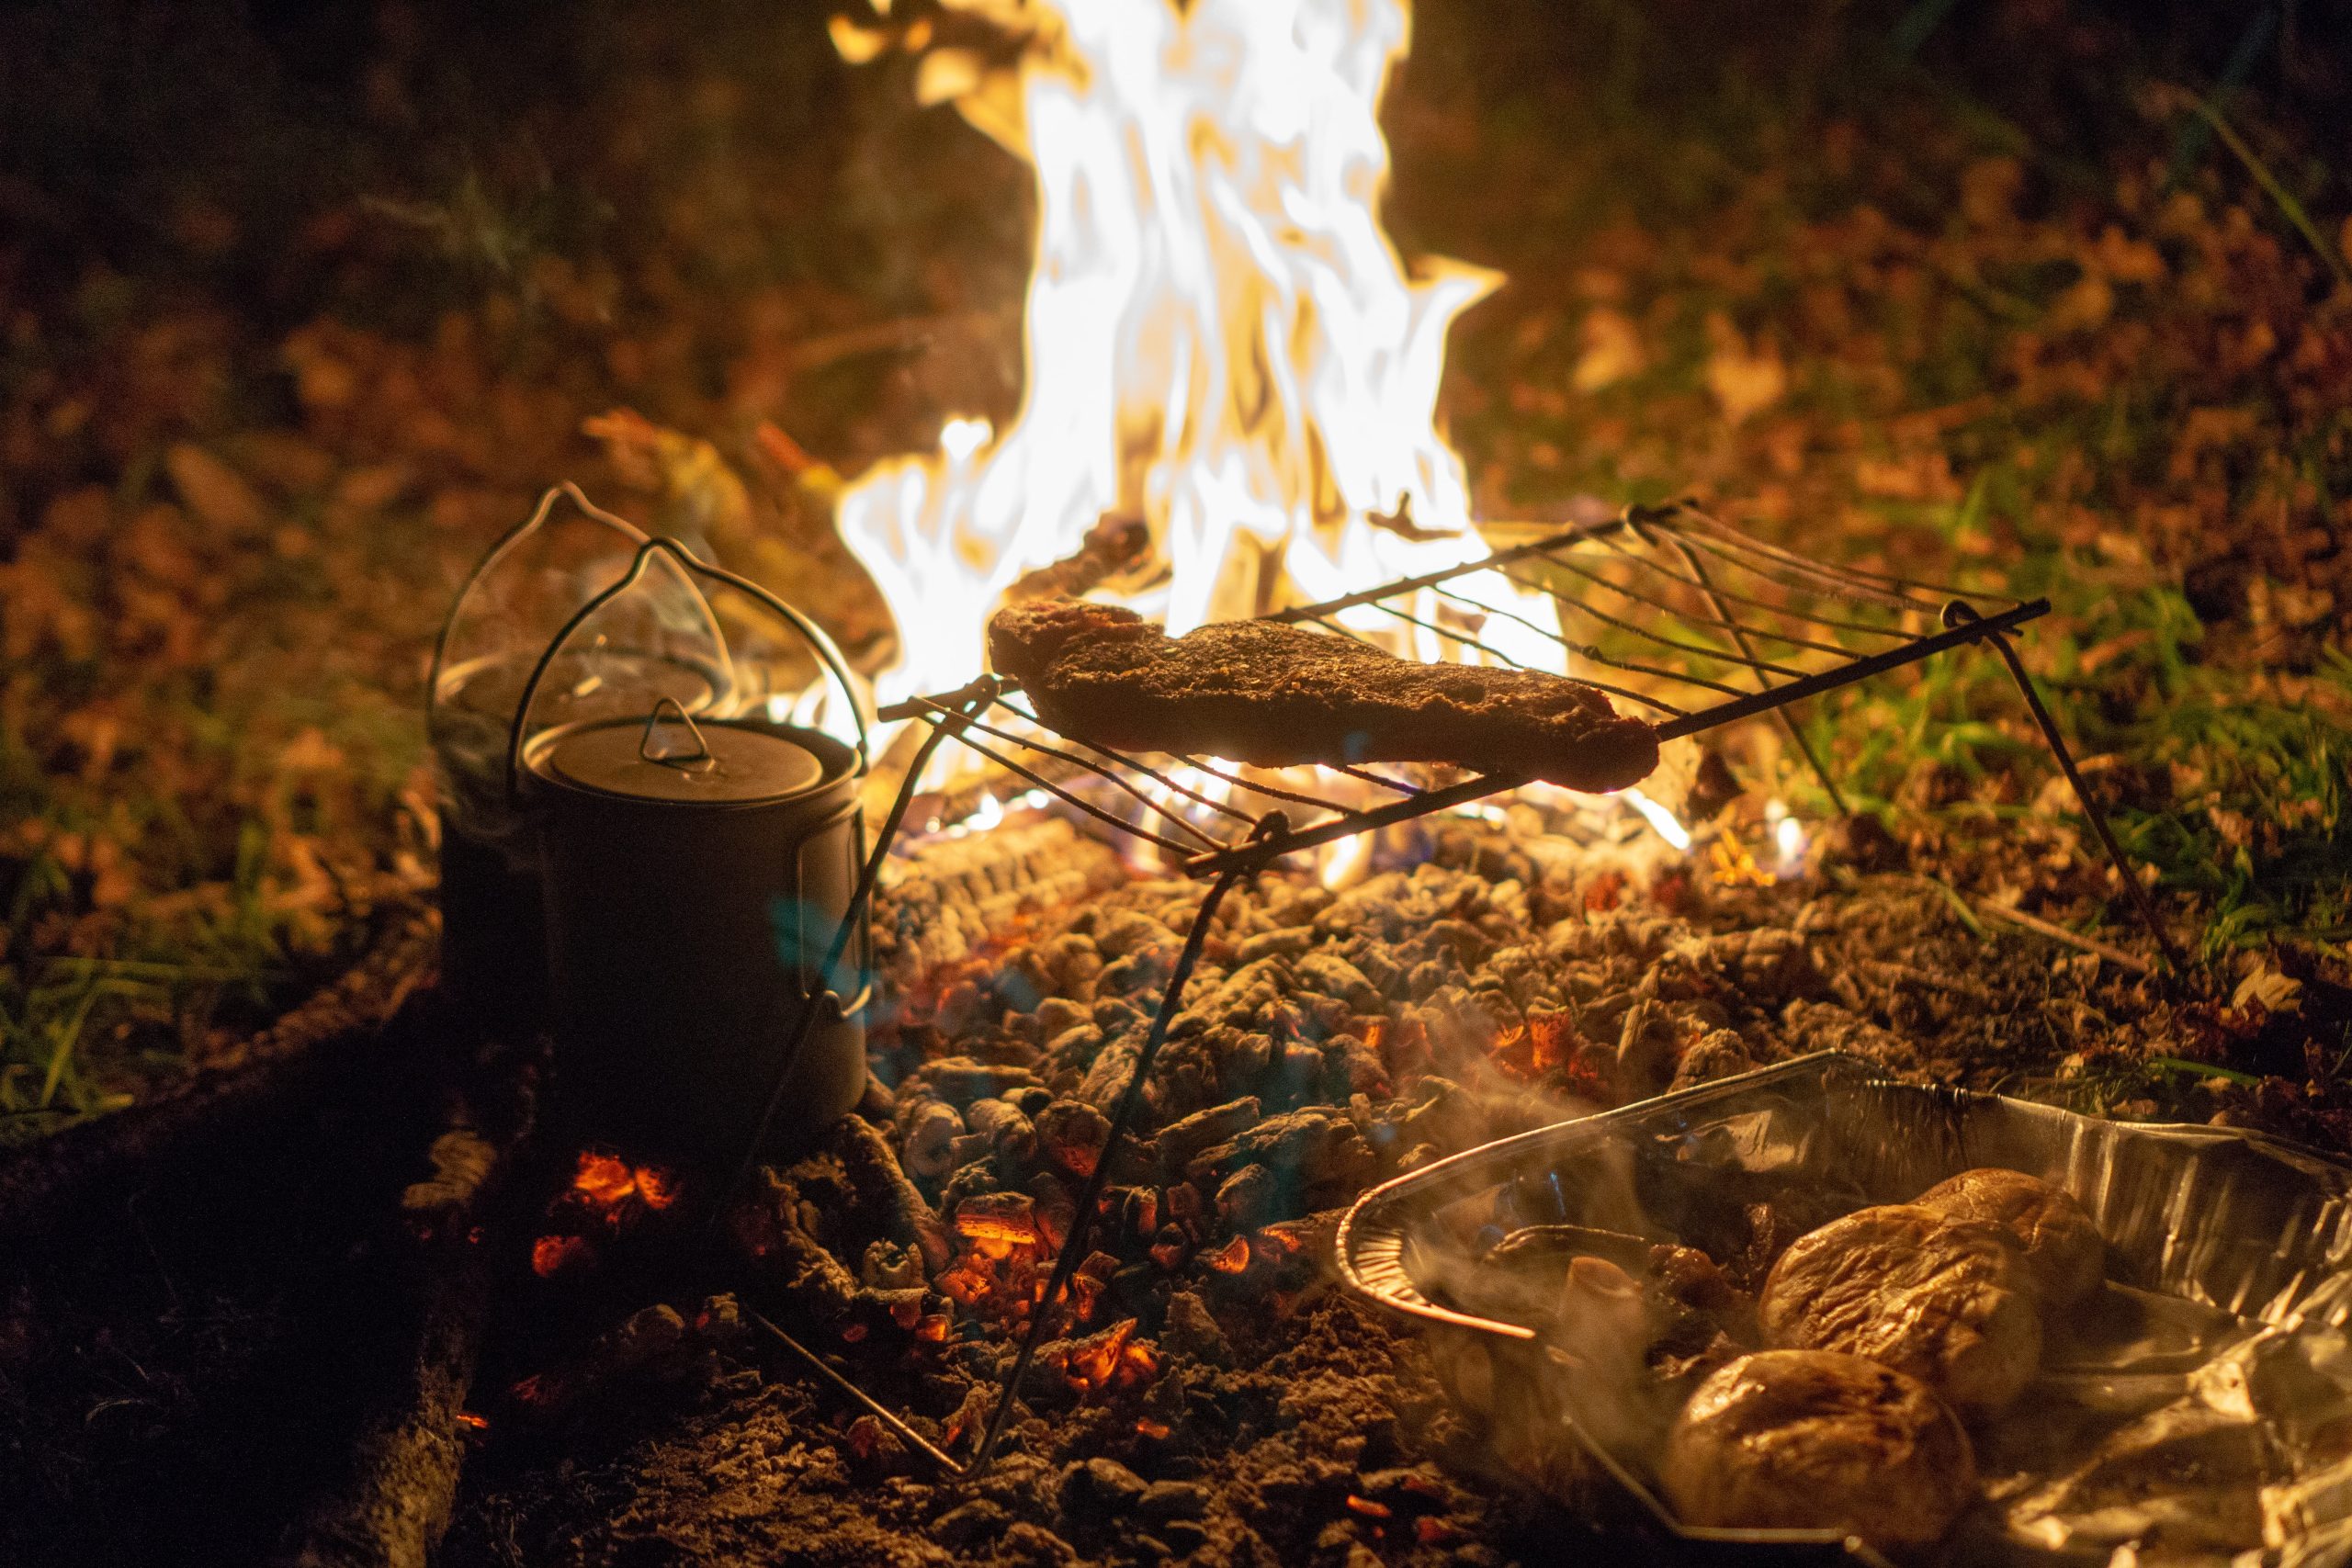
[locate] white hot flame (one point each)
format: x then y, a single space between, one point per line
1219 337
1668 826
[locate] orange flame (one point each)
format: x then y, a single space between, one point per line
1219 337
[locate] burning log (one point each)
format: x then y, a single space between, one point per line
395 1501
1114 547
1113 1358
43 1185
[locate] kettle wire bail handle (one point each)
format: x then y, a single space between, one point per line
685 560
653 749
827 653
507 544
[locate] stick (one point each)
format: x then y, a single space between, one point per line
2073 939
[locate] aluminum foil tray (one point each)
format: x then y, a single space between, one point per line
2198 1411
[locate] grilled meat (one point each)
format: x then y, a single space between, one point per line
1278 695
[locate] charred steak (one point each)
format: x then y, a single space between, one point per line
1278 695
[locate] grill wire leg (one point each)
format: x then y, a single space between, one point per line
2148 915
1073 1248
972 701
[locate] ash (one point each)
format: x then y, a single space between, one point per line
1208 1395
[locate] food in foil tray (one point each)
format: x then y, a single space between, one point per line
1885 1332
1949 1302
1647 1312
1815 1439
1277 695
2063 1247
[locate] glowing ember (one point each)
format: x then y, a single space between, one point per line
612 1189
1113 1358
606 1196
603 1179
1219 337
554 1254
655 1187
1735 865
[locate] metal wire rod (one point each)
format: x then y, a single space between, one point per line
1781 608
1848 673
1171 845
1836 582
1426 803
1150 772
1586 650
872 1406
1095 768
1787 718
1642 632
972 699
2149 914
1270 791
1368 776
1724 617
1484 608
1464 640
1330 624
1836 650
1431 579
1731 536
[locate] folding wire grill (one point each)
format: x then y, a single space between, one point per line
1665 608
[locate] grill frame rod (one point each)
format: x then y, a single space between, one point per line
1718 566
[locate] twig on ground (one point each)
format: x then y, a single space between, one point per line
2073 939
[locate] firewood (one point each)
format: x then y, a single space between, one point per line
80 1166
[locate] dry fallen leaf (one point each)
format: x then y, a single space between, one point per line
213 490
1745 380
1612 351
2274 991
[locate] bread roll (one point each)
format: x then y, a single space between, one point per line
1812 1440
2063 1247
1948 1302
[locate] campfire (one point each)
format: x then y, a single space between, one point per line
1126 966
1122 1113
